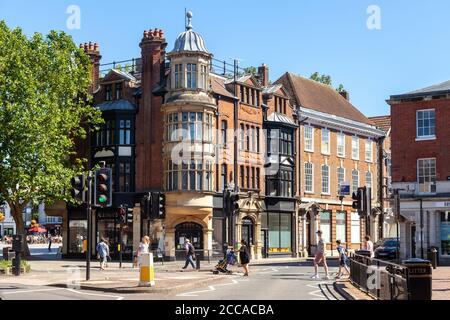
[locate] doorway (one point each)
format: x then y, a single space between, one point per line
247 231
413 241
265 243
191 231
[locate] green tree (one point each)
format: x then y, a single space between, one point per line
44 85
251 70
325 79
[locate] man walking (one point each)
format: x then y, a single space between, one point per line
320 257
103 253
190 254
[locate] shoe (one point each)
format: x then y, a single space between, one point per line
338 277
315 277
245 274
327 278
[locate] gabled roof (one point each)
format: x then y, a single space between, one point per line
320 97
244 80
218 86
382 122
436 89
272 89
114 73
116 105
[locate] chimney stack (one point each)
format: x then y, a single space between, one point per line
93 51
345 95
263 74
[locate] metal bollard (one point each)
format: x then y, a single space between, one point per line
197 260
147 271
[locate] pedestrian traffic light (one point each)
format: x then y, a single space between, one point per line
161 206
103 188
359 199
122 215
78 188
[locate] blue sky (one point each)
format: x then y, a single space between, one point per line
410 51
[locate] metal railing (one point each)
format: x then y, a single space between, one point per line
380 279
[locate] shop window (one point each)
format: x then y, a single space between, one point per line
78 233
341 223
280 232
325 225
445 233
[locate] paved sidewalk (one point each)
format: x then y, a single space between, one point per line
441 283
349 291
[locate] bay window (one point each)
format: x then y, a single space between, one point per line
191 76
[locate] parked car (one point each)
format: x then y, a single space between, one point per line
387 249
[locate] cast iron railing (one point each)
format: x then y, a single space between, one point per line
380 279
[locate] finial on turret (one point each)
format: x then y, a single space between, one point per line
189 16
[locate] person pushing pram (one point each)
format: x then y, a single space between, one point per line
230 259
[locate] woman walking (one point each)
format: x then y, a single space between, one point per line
103 253
244 257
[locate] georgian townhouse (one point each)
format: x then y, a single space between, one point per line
388 222
336 144
421 169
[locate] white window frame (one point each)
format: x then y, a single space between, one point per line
307 139
425 137
371 180
312 177
337 176
368 147
357 147
340 135
327 182
324 143
435 175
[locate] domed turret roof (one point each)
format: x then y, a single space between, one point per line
190 40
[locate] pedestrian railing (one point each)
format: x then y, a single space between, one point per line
380 279
203 254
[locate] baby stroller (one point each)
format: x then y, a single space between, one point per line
224 263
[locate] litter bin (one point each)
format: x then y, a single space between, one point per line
8 254
420 279
432 256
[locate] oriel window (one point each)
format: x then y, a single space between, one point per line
125 132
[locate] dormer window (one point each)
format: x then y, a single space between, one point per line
118 91
191 76
108 90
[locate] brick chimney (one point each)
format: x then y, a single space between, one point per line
93 51
149 120
345 95
263 74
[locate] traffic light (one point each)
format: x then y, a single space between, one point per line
234 201
2 217
122 215
359 200
103 188
161 213
78 188
129 218
146 206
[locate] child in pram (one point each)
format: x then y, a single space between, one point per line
224 263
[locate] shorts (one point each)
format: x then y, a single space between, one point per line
343 262
320 258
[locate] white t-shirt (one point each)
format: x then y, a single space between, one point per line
143 248
369 247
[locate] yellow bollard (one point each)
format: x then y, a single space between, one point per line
147 271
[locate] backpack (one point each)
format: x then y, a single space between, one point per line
191 249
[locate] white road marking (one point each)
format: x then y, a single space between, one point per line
96 294
210 289
27 291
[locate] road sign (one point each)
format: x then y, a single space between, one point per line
344 189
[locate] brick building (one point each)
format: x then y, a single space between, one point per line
198 129
421 168
337 144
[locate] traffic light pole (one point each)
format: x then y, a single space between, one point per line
89 222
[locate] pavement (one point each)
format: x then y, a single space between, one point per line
441 283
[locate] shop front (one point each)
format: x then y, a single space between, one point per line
445 235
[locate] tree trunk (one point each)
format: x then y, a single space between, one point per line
17 213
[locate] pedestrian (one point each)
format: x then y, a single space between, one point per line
190 254
103 253
244 256
143 248
320 257
49 243
368 245
343 260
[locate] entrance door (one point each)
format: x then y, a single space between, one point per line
191 231
247 231
413 241
265 243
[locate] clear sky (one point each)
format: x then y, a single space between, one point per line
410 51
